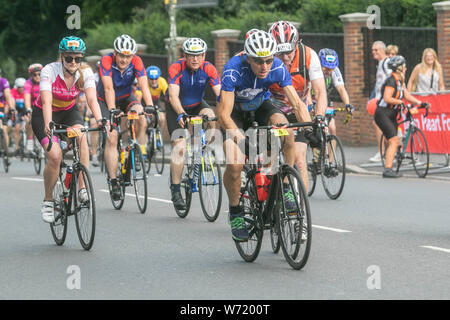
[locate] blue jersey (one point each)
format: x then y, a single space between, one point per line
250 91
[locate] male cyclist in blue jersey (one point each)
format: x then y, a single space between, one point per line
117 73
246 80
188 78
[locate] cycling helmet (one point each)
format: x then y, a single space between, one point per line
35 67
194 46
260 44
125 44
395 62
72 44
153 72
19 83
285 34
249 32
328 58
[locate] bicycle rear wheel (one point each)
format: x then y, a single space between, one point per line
158 152
37 157
293 218
312 162
139 178
150 150
419 152
84 211
210 187
333 167
4 151
249 250
59 226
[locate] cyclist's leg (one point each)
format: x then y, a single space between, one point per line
93 136
29 132
111 155
163 121
385 119
16 131
300 160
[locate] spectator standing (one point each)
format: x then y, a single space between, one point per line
427 76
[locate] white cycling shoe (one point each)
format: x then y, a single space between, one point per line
48 211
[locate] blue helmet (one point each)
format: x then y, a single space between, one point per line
72 44
328 58
153 72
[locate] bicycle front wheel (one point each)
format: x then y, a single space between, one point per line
419 153
158 152
150 150
333 167
4 152
84 209
248 201
59 226
117 203
210 187
293 218
139 179
186 191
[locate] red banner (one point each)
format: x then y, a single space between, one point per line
436 126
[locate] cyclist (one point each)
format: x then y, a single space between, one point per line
304 67
117 73
246 80
21 112
158 88
333 78
61 83
6 103
31 94
188 78
393 91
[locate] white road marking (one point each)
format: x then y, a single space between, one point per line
437 248
28 179
330 229
133 195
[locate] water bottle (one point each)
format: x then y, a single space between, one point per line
68 178
197 164
316 154
158 137
63 144
123 156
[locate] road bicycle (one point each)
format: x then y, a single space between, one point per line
201 172
131 166
413 144
155 143
263 197
328 161
67 188
3 145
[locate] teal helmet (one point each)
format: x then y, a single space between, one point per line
72 44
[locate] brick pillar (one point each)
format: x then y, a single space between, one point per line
443 38
221 38
360 130
179 41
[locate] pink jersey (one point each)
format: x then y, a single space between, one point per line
32 90
52 79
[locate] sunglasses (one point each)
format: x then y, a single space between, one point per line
260 61
69 59
284 53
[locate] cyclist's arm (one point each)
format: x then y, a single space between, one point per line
46 97
110 94
388 96
27 98
216 89
143 84
224 111
91 99
320 94
9 98
300 109
409 97
343 94
174 98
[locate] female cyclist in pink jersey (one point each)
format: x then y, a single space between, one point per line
61 83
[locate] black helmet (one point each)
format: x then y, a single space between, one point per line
395 62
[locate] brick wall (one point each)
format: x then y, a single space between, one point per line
443 37
221 38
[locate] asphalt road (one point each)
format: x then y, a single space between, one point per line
383 239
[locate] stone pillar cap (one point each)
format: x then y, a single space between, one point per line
442 6
355 17
226 33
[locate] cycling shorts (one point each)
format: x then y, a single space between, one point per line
171 115
386 120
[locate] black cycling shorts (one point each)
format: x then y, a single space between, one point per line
386 120
171 115
123 104
68 117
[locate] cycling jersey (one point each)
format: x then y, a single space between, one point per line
250 91
122 81
161 89
19 99
33 90
4 84
394 82
52 79
192 83
334 79
300 84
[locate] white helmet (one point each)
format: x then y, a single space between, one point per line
125 45
260 44
285 34
19 83
194 46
